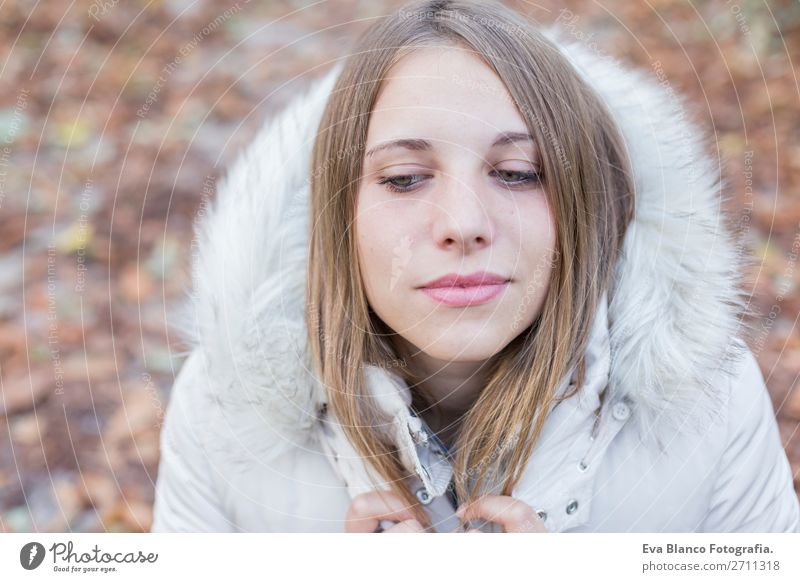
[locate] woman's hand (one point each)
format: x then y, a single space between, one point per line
514 515
368 509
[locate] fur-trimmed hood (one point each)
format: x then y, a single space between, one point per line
673 317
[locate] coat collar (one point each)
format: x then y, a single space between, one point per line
673 307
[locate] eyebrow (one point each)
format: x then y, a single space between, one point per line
421 145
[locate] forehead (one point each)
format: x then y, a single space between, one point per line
435 87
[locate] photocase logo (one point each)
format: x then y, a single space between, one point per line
67 559
31 555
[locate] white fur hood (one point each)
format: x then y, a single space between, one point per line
672 320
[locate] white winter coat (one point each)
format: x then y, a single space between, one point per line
673 431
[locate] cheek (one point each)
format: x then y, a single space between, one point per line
537 244
541 242
534 229
368 243
382 239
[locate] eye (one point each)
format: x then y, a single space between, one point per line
402 183
515 178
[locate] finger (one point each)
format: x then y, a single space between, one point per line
368 509
514 515
406 526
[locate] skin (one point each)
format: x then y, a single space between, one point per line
469 206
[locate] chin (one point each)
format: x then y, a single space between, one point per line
455 350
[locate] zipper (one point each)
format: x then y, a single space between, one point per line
438 447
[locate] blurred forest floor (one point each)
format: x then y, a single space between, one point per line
107 145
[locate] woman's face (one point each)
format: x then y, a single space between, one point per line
470 204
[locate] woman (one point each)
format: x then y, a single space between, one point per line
475 279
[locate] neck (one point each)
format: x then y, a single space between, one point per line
449 389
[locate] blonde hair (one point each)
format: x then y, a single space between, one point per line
587 179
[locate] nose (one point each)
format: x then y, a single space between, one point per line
461 218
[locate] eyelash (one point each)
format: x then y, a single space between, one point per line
528 177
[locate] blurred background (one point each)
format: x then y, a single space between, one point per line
116 120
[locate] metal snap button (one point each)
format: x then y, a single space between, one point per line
572 507
542 514
621 411
582 466
424 497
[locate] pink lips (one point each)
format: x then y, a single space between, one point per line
464 290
